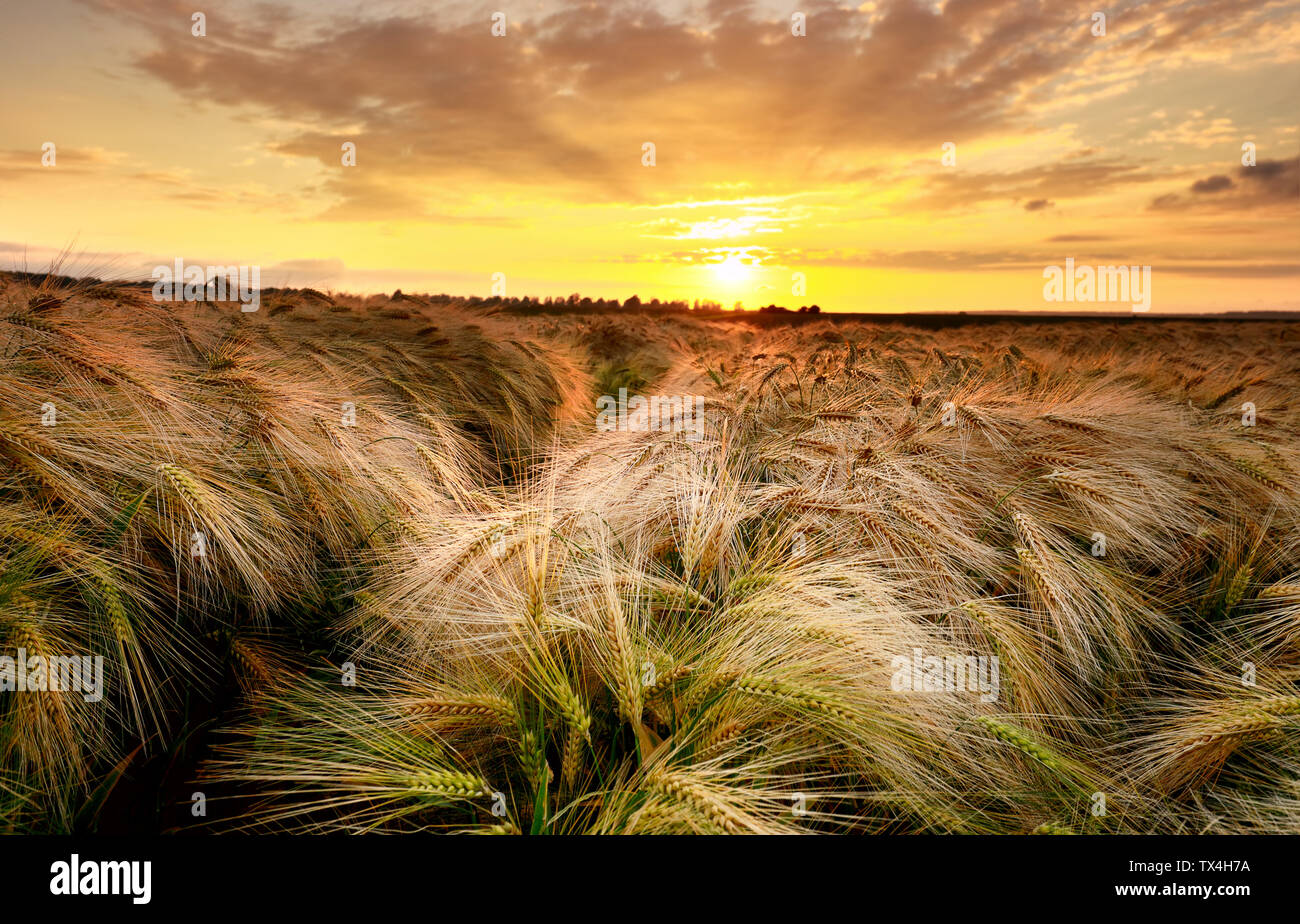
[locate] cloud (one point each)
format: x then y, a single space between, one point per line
1274 179
1212 184
569 95
329 267
1071 177
68 159
968 261
1269 186
456 127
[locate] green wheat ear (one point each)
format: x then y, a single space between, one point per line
1051 827
800 696
446 784
1019 739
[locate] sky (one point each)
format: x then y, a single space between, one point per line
897 155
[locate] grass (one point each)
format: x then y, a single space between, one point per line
432 597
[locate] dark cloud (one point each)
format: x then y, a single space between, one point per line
1269 186
1037 205
1212 184
1274 179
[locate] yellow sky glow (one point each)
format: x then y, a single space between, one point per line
777 157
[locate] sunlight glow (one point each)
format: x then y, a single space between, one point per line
733 271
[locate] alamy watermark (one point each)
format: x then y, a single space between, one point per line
921 673
194 283
76 876
82 674
638 414
1130 284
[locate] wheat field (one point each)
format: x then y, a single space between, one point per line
374 554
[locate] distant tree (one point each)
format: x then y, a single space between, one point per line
739 306
815 309
633 302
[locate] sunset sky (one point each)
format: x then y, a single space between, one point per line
775 154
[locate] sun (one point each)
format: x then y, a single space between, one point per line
732 271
